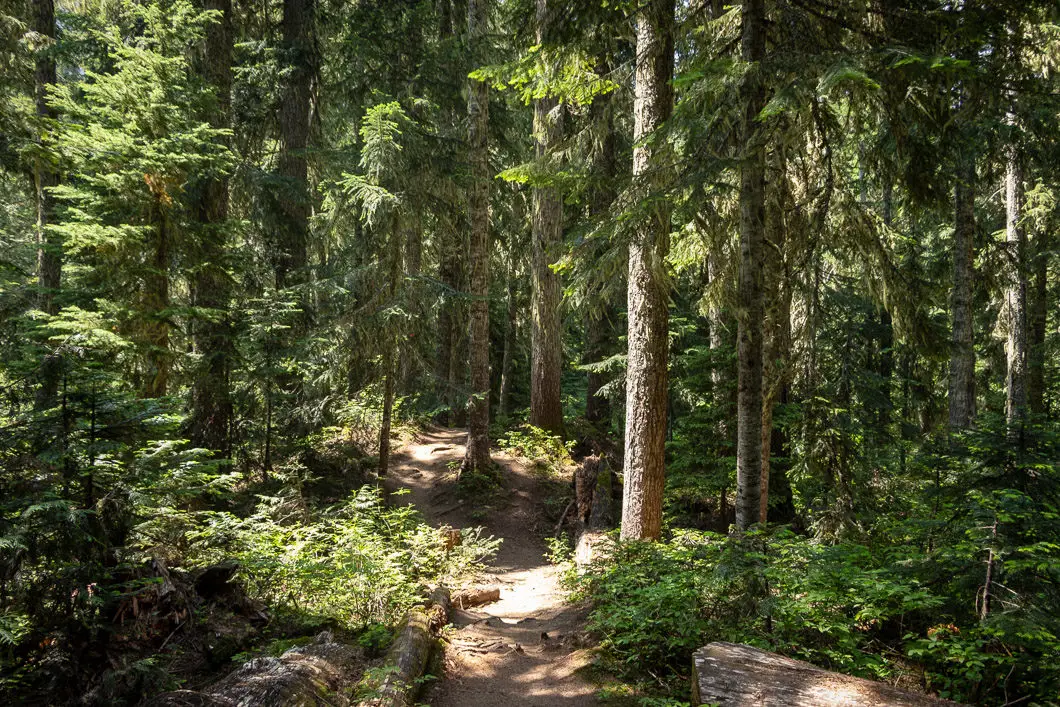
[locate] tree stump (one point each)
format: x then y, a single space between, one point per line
593 496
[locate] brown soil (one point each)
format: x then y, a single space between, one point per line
529 648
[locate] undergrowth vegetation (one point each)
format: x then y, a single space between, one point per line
905 603
357 563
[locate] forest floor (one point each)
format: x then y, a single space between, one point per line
528 648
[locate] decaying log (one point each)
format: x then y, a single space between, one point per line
593 494
730 674
315 674
411 651
467 598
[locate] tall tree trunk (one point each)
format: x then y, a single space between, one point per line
390 346
413 351
962 350
647 296
450 257
1037 322
1016 291
510 334
211 402
752 224
292 191
459 341
721 375
443 359
49 245
477 457
546 343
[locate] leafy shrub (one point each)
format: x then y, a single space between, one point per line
654 604
358 563
549 453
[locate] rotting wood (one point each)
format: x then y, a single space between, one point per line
410 653
730 674
315 674
467 598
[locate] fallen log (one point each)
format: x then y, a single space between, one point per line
410 653
730 674
467 598
320 673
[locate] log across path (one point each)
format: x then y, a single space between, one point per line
527 647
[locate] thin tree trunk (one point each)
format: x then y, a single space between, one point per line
962 350
776 371
390 353
477 457
443 359
720 375
411 352
49 245
752 224
546 344
1016 291
647 297
1037 322
459 341
510 334
292 192
450 258
211 402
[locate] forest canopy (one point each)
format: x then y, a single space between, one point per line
787 268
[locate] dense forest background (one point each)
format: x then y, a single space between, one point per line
790 266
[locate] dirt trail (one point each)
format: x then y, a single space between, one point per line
526 648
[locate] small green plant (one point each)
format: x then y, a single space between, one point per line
374 639
548 454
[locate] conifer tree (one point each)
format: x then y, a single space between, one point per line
477 458
752 238
546 409
646 368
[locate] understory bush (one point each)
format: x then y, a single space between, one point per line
548 453
875 612
357 563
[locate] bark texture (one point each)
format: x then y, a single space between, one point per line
647 295
732 675
962 351
211 402
478 443
292 189
1016 291
410 653
750 296
546 344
